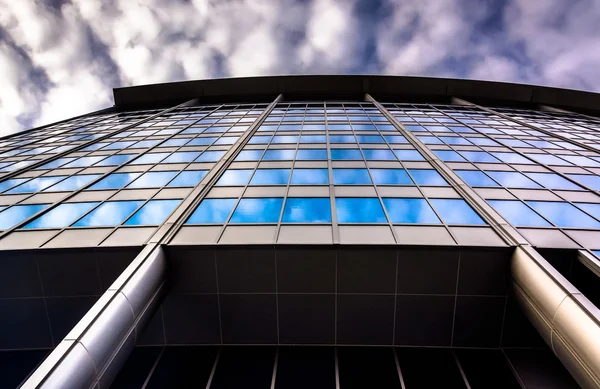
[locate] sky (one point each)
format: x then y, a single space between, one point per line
61 58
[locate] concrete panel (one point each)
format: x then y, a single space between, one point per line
305 234
196 235
248 235
26 239
355 191
494 193
476 236
366 235
547 238
437 192
399 191
91 195
129 236
45 198
265 191
308 191
134 194
79 238
424 235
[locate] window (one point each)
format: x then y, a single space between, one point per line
391 177
553 181
359 210
249 155
401 210
563 214
175 142
430 140
456 211
210 156
307 210
517 213
152 180
279 155
212 211
311 154
259 139
16 214
62 216
262 210
153 212
72 183
56 163
513 180
188 178
115 160
235 177
512 158
547 159
118 145
448 156
227 140
110 213
181 157
580 161
483 142
588 180
475 178
346 155
115 181
351 176
270 177
310 177
4 185
370 139
84 162
592 209
35 185
149 158
395 139
145 143
454 140
409 155
285 139
379 155
427 177
478 156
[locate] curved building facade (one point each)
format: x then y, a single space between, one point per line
306 231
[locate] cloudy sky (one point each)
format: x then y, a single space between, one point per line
60 58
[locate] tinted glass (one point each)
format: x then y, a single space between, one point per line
359 210
310 177
307 210
62 216
153 212
16 214
409 155
270 177
56 163
212 211
36 184
84 162
4 185
111 213
149 158
115 160
181 157
279 155
351 176
427 177
409 211
115 181
588 180
513 180
512 158
210 156
72 183
188 178
517 213
249 155
391 177
311 154
448 156
346 155
235 177
563 214
553 181
263 210
152 180
379 155
456 211
475 178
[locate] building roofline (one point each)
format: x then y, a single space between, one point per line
352 87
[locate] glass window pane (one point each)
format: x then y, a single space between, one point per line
409 155
227 140
379 155
175 142
359 210
205 141
235 177
153 212
313 139
249 155
427 177
279 155
262 210
270 177
4 185
150 158
188 178
310 177
448 155
513 180
342 139
548 159
62 216
409 211
307 210
588 180
475 178
351 176
454 140
311 154
16 214
517 213
512 158
563 214
346 155
259 139
553 181
110 213
592 209
395 139
391 177
181 157
212 211
84 162
483 142
152 180
478 156
456 211
73 183
430 140
115 181
370 139
36 184
56 163
115 160
210 156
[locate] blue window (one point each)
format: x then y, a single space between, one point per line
182 157
249 155
212 211
152 180
175 142
310 177
370 139
36 184
517 213
379 155
475 178
513 180
454 140
150 158
448 156
153 212
202 141
359 210
409 211
461 129
427 177
227 140
56 163
363 127
115 160
270 177
553 181
339 127
279 155
548 159
346 155
580 160
483 142
4 185
311 154
314 127
115 181
262 210
118 145
235 177
592 209
542 144
268 128
514 143
72 183
391 177
478 156
188 178
409 155
94 146
62 216
512 158
217 129
84 162
194 130
588 180
430 140
16 214
307 210
210 156
395 139
313 139
351 176
342 139
456 211
259 139
285 139
563 214
145 144
110 213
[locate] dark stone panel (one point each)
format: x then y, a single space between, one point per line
112 264
427 271
540 369
365 319
249 318
518 330
306 318
246 270
478 321
367 367
136 369
244 367
19 276
305 367
305 271
424 320
483 272
191 319
192 270
424 368
15 366
182 367
154 333
24 324
70 274
65 312
366 271
486 369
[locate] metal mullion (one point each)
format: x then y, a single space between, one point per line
398 369
334 222
287 188
275 363
460 369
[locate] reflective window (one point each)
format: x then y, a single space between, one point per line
563 214
553 181
285 139
395 139
379 155
61 216
478 156
72 183
115 160
249 155
351 176
235 177
346 155
153 212
588 180
430 140
4 185
391 177
580 160
311 154
454 140
152 180
227 140
513 180
115 181
16 214
547 159
259 139
517 213
359 210
409 155
175 142
84 162
310 177
203 141
370 139
313 139
188 178
36 184
212 211
307 210
56 163
279 155
210 156
110 213
448 156
270 177
427 177
475 178
342 139
592 209
401 210
512 158
182 157
483 142
456 211
149 158
261 210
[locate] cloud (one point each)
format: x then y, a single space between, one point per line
63 59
